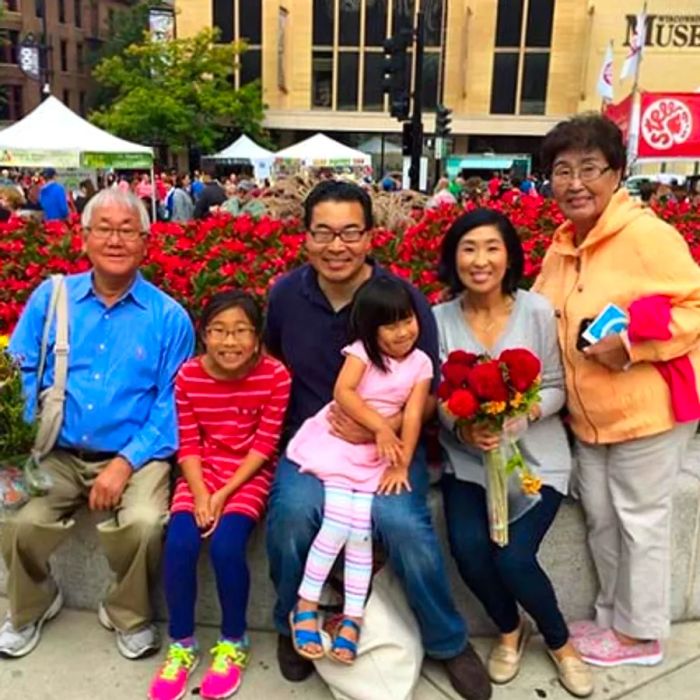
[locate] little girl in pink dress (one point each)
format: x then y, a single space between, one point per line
383 375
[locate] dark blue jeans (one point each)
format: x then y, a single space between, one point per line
228 557
402 524
502 577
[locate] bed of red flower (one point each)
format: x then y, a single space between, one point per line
191 261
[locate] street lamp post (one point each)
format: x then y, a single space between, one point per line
44 54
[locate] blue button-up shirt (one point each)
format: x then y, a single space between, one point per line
122 362
307 334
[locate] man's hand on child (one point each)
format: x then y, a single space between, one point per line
344 427
394 480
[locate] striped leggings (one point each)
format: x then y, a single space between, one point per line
346 522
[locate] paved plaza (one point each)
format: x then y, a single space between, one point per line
77 660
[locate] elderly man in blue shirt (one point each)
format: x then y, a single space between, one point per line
127 340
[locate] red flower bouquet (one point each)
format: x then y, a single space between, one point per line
492 391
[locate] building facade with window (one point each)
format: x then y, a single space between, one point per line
509 69
72 27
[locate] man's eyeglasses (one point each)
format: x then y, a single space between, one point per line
328 235
219 333
126 234
586 173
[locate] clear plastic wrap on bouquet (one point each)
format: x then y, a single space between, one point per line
511 488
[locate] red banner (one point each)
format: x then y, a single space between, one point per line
669 125
621 113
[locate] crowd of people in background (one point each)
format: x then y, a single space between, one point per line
181 197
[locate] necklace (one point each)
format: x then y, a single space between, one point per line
494 318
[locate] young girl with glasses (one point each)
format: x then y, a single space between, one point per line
231 402
383 374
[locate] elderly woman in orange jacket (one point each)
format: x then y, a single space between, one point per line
633 395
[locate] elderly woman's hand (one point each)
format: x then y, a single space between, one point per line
611 352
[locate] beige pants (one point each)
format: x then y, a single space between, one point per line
131 538
626 491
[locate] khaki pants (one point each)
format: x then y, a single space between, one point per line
626 490
131 538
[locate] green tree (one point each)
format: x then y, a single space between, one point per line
178 93
125 26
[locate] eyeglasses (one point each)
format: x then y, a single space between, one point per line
241 333
328 235
105 232
586 173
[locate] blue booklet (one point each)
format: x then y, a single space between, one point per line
612 319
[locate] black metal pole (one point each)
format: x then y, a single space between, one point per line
44 53
381 160
417 120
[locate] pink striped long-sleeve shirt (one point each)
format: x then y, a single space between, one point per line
221 421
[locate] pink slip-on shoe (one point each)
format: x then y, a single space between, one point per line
607 650
226 671
584 628
170 683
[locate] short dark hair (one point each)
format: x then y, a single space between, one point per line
585 132
378 302
447 268
337 191
232 299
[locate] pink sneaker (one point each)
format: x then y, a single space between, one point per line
584 628
226 671
170 683
606 650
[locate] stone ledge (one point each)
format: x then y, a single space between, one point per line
83 572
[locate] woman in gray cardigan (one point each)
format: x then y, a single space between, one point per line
482 263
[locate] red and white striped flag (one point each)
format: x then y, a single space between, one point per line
634 55
605 79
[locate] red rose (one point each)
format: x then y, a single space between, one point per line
460 357
523 368
455 374
463 404
486 381
445 390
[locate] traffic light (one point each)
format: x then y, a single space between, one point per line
442 121
396 74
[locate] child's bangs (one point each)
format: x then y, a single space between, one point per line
395 307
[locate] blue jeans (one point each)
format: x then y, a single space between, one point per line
401 523
228 557
502 577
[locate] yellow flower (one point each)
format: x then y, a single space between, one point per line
531 484
517 400
493 408
4 341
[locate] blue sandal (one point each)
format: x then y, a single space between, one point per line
302 637
344 643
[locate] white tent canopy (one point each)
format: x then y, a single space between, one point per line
53 135
322 151
242 150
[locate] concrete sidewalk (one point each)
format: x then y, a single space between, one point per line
77 660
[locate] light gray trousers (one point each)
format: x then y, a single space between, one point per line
626 491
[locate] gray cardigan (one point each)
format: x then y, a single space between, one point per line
544 445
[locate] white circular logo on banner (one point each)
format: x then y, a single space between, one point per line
666 123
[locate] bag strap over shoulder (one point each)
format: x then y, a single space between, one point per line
57 308
50 313
60 349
